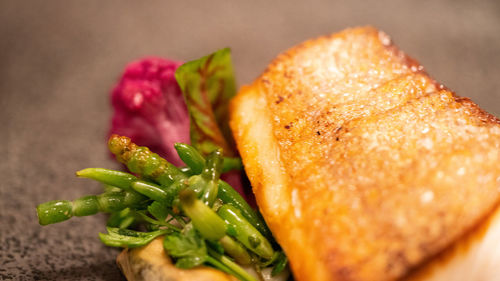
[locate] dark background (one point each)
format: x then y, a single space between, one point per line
59 60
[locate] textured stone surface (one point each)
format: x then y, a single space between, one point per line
60 60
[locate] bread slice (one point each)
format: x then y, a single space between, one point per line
363 166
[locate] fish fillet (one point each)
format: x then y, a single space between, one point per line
363 166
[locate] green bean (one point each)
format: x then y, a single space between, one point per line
150 190
196 162
230 196
191 157
204 219
245 232
110 177
140 160
235 250
211 174
213 165
197 184
211 226
205 185
61 210
204 189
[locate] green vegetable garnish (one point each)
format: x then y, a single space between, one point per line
204 221
208 84
187 247
122 219
125 238
151 190
280 264
109 177
158 210
245 232
166 205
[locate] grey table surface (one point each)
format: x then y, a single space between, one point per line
59 60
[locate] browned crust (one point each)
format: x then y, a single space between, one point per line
269 185
358 131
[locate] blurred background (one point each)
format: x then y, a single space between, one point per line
60 59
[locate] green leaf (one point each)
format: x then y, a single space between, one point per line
208 84
126 238
122 219
158 210
187 247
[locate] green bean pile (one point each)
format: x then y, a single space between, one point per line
203 219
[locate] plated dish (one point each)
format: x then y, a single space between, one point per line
363 166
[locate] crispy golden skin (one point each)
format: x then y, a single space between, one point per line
362 165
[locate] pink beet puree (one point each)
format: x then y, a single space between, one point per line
149 108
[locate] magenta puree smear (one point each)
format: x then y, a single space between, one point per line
149 107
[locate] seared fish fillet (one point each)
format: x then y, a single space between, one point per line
152 263
365 168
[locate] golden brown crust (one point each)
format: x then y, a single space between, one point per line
362 165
